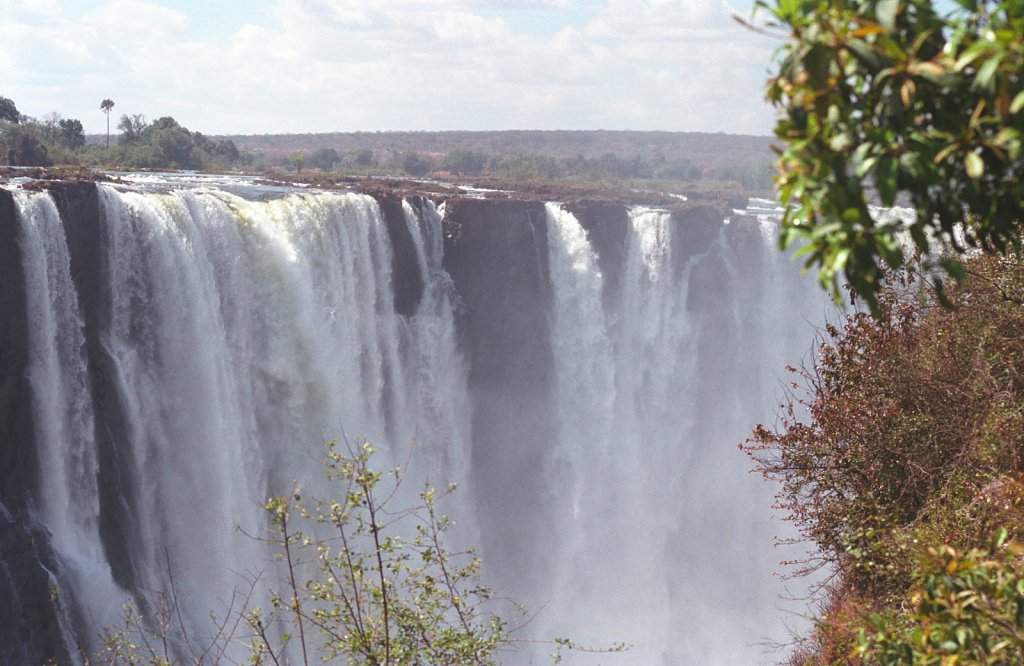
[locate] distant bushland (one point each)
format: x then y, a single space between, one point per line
596 157
683 162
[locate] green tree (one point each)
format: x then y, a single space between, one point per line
415 164
893 100
8 111
107 106
379 597
226 150
364 157
171 145
325 158
51 126
521 168
464 162
21 145
163 123
298 160
71 134
131 127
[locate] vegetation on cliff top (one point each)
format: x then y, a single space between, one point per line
161 144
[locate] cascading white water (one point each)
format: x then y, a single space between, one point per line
667 544
243 334
62 412
441 414
620 376
59 376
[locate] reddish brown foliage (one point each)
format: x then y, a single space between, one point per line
907 428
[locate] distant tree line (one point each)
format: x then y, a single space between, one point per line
507 157
161 144
752 173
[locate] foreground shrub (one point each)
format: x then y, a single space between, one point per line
966 608
365 582
376 598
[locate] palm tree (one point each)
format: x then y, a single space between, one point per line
107 106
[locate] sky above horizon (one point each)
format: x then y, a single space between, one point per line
296 66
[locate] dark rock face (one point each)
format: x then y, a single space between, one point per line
695 230
18 463
606 225
496 253
30 622
81 213
406 281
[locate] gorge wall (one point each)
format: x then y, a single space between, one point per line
584 371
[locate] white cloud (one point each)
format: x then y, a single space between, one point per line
322 65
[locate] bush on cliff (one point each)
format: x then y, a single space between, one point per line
964 608
906 432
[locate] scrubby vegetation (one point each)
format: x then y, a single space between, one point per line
363 582
900 456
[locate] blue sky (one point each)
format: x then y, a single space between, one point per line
268 66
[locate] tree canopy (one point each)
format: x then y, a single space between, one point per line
71 133
894 102
8 111
131 127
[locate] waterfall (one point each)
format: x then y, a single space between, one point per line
197 363
664 545
68 499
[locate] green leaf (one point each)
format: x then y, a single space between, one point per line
985 78
975 165
919 237
912 165
840 142
928 70
1018 103
816 64
886 179
890 249
864 52
886 11
945 152
1005 137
